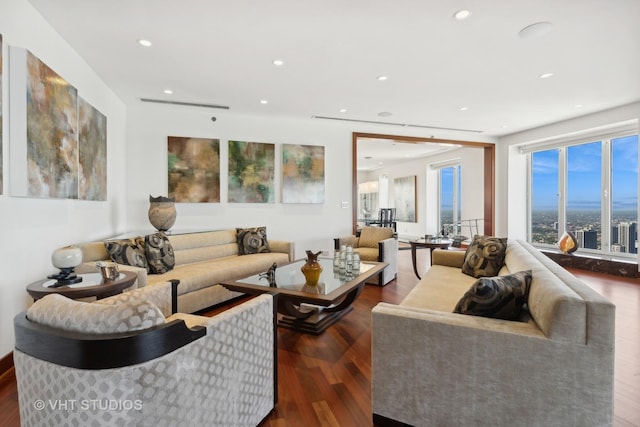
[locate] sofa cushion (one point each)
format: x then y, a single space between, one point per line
252 240
370 236
484 256
159 253
66 314
501 297
127 251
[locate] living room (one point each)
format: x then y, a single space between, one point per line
137 138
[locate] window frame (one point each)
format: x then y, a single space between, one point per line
606 201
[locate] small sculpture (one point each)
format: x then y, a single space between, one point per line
270 275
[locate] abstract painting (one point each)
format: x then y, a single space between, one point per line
194 169
1 73
52 129
251 172
302 174
404 195
92 152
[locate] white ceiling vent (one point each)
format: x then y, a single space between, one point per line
186 104
375 122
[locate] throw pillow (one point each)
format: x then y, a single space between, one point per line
159 253
128 252
252 240
484 256
568 243
501 297
63 313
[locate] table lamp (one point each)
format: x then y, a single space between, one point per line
66 259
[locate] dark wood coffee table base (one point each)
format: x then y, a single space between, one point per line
311 318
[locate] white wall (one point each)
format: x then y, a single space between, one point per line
311 226
31 228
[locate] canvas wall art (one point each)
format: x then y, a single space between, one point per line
404 194
251 172
302 173
92 152
44 129
52 145
194 169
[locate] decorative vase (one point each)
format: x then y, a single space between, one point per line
311 269
162 212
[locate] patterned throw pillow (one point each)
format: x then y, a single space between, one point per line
500 297
128 252
159 253
485 256
252 240
63 313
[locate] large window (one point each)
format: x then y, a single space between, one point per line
450 188
589 188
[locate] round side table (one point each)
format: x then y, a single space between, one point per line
92 285
430 244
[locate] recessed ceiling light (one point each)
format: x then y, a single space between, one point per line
545 75
504 126
264 101
278 62
538 29
343 110
464 108
461 14
168 91
384 114
143 42
382 78
579 105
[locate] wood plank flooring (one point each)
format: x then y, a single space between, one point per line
325 380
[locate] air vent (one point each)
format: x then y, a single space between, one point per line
186 104
406 125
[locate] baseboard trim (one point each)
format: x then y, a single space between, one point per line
6 364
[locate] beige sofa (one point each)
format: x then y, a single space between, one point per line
433 367
202 261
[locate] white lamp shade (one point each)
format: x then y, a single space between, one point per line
66 257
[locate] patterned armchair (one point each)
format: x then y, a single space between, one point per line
120 362
375 244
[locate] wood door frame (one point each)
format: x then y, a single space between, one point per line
489 150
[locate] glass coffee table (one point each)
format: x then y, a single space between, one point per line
306 308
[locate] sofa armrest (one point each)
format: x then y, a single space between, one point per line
345 240
447 258
284 247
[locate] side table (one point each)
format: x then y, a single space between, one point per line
431 244
92 285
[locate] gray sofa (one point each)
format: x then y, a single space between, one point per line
554 367
202 261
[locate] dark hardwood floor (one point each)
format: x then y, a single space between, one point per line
325 380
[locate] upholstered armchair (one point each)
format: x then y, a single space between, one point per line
375 244
121 361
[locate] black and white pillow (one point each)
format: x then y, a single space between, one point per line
501 297
485 256
252 240
159 253
127 251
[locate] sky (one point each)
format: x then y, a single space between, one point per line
584 164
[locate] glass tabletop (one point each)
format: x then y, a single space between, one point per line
435 240
290 277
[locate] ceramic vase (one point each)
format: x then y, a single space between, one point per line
311 269
162 212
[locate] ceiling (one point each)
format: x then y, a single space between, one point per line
221 52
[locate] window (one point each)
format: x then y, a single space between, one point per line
449 211
590 188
